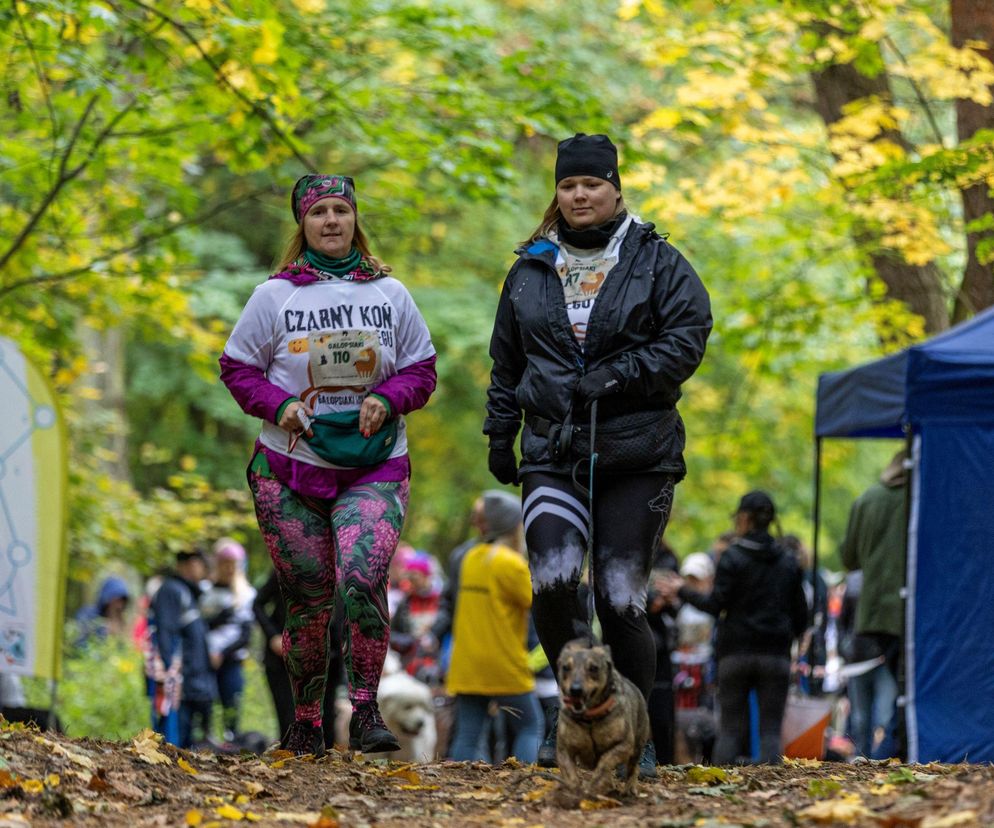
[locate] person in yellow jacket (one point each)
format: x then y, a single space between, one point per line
489 652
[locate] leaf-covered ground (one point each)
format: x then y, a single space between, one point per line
51 780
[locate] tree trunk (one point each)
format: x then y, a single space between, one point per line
918 286
973 20
103 411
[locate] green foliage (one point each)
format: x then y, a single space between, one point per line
102 694
119 707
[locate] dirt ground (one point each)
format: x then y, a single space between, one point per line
46 779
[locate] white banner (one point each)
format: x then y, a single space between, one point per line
32 519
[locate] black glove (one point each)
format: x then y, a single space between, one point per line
598 383
502 462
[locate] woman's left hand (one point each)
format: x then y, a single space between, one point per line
372 416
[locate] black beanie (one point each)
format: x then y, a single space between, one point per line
592 155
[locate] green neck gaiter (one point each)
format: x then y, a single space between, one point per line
335 267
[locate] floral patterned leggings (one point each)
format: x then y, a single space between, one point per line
323 549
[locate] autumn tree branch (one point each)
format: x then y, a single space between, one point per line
143 241
253 106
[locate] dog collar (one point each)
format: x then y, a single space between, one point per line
594 713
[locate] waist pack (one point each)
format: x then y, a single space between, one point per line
626 443
337 440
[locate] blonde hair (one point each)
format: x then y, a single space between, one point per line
551 218
296 244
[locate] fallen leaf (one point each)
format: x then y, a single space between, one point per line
419 787
958 818
186 766
230 812
768 794
846 809
72 756
540 792
407 773
801 763
480 795
125 788
706 776
254 788
882 789
599 804
823 788
98 781
32 786
146 745
7 779
194 818
52 780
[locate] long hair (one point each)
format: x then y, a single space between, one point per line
296 245
551 216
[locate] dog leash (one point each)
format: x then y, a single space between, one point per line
590 509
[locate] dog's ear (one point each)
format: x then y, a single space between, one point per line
607 651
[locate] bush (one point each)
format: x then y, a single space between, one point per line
102 694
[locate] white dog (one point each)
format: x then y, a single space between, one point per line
409 711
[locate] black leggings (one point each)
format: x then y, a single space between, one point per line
769 676
630 514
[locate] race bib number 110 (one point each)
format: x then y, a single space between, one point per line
344 358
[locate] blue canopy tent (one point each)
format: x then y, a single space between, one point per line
940 396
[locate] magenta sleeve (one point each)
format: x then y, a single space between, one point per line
252 391
409 389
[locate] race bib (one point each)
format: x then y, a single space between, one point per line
344 358
583 279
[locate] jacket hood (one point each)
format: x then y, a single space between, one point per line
110 590
759 545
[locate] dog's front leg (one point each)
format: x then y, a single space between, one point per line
604 774
631 772
568 771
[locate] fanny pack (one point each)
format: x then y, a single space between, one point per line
337 440
626 443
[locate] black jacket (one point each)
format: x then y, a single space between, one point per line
758 598
649 324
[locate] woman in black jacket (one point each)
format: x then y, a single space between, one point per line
598 307
758 600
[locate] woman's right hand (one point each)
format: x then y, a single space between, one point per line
290 420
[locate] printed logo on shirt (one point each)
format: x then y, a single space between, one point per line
338 317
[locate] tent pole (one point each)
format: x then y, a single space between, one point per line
901 723
816 519
52 717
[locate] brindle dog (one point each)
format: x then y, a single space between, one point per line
603 722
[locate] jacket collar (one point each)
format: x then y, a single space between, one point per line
545 251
